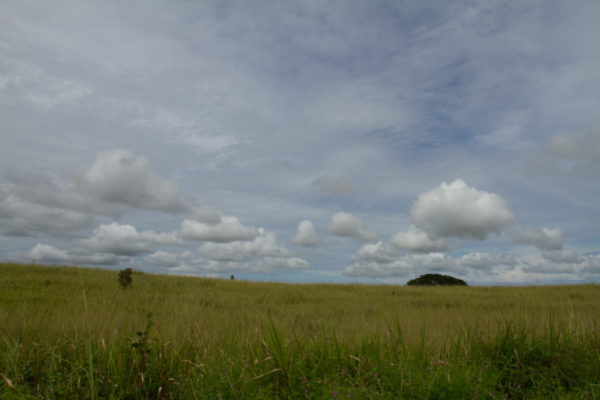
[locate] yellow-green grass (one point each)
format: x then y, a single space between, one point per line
74 332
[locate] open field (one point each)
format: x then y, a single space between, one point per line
75 333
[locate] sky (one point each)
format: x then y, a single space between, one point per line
303 141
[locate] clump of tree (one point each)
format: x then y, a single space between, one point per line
436 280
125 278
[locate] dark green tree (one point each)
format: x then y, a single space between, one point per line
125 278
436 280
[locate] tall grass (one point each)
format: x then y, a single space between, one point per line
75 333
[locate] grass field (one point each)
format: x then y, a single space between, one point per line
74 333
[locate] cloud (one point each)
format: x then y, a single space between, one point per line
23 217
330 185
229 229
117 181
418 241
165 259
277 263
485 261
373 269
592 264
45 252
126 240
375 252
264 244
457 210
580 151
563 255
306 234
347 225
206 214
50 254
378 260
122 178
544 238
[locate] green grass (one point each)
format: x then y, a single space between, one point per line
75 333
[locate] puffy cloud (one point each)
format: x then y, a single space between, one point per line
229 229
457 210
544 238
116 182
329 185
375 252
125 240
264 245
418 241
120 177
45 252
347 225
306 234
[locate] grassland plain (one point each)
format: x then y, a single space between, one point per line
74 333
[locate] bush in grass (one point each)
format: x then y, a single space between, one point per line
125 277
436 280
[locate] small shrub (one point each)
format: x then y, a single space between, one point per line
125 278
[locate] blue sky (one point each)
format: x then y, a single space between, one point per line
304 141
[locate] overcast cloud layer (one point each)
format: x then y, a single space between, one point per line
304 141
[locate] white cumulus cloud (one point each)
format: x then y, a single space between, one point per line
306 234
417 240
457 210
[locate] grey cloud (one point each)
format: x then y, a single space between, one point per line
206 214
330 185
563 255
20 217
116 182
544 238
306 235
573 154
592 264
346 225
457 210
120 177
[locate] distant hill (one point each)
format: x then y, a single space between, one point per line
436 280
